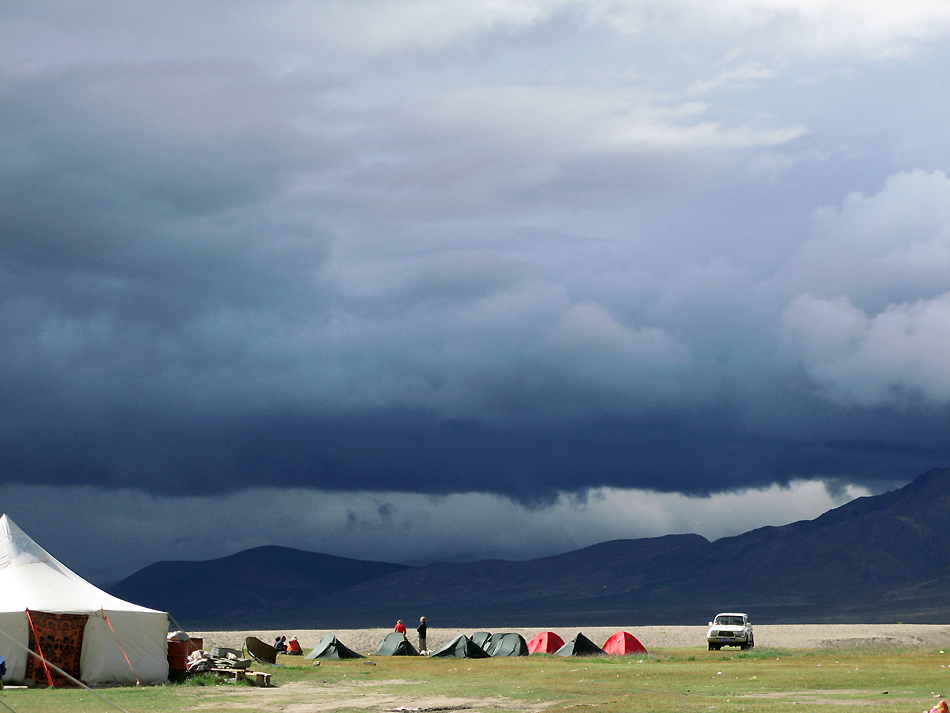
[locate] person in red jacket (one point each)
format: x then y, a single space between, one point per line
293 647
400 627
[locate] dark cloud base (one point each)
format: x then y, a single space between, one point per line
694 453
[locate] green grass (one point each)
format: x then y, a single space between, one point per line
759 681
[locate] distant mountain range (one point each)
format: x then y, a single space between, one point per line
884 558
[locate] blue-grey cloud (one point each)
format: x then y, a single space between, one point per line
392 527
424 248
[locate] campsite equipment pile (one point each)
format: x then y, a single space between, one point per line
224 662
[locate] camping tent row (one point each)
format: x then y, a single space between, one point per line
332 648
483 644
461 647
619 644
329 648
49 610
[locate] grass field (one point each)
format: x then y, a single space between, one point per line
673 680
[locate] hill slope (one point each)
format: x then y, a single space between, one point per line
258 585
882 558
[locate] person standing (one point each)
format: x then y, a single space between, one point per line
400 627
421 630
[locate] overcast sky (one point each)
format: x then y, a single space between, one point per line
434 280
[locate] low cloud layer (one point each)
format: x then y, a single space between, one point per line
530 252
394 527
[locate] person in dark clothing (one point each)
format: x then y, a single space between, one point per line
281 644
421 630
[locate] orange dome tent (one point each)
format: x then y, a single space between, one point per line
547 642
623 643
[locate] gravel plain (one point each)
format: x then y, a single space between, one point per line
787 636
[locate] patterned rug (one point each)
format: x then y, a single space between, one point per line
58 639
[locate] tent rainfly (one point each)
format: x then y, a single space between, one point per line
396 644
510 644
331 648
623 643
580 645
482 638
88 633
461 647
547 642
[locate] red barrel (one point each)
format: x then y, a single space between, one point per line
177 655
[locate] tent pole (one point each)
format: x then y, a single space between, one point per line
180 627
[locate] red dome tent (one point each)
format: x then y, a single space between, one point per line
623 643
547 642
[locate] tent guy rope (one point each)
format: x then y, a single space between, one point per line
121 648
59 670
36 638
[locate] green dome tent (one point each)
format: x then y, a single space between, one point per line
461 647
331 648
580 645
396 644
510 644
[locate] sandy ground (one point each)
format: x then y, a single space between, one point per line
395 696
791 636
398 695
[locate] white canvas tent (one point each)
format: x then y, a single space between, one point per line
31 579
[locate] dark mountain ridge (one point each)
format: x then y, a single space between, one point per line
263 583
883 558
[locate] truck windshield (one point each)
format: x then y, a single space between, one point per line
729 620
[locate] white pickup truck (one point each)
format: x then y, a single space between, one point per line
730 629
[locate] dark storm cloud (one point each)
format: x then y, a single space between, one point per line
692 453
347 248
129 195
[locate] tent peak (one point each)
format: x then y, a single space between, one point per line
17 548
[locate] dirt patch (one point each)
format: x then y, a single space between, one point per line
311 698
874 642
823 697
